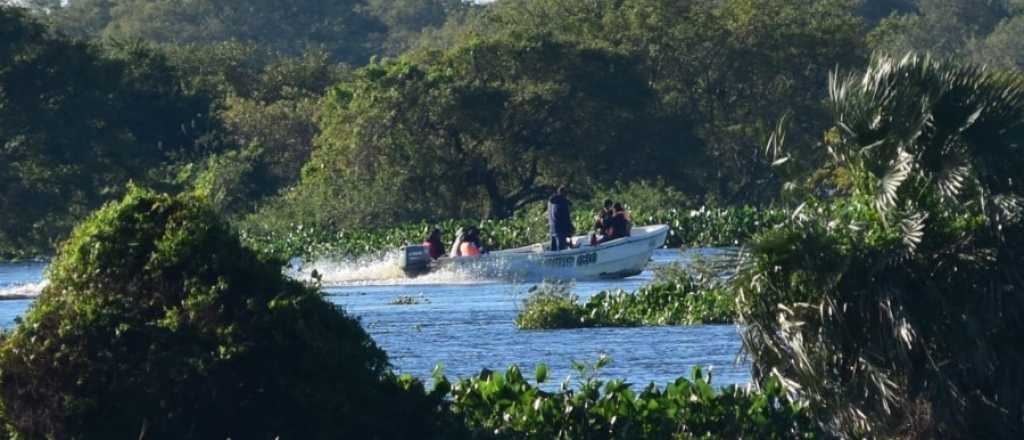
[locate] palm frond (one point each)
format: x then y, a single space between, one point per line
912 228
952 179
893 306
889 184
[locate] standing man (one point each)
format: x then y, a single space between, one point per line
560 219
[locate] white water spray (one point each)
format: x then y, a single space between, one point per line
376 271
22 291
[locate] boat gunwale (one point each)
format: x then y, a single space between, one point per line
654 230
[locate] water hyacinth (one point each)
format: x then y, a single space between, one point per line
507 406
675 298
706 226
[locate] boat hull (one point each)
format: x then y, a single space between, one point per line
618 258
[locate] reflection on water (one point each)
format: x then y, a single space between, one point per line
467 324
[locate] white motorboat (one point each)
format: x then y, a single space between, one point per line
619 258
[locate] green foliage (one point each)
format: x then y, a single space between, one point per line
976 30
1002 47
592 93
644 196
246 71
231 180
551 305
406 20
711 226
409 300
342 27
267 103
277 234
894 308
78 121
157 323
486 128
731 68
507 406
351 31
675 298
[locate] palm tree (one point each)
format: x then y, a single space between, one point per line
895 307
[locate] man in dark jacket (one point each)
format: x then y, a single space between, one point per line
560 219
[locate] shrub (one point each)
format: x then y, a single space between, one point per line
157 323
896 308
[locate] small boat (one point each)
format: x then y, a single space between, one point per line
619 258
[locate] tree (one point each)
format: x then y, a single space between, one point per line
1003 47
407 19
267 104
733 69
893 305
489 127
941 27
292 27
78 120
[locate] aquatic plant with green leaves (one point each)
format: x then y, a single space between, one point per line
705 226
550 305
508 406
895 305
676 297
409 300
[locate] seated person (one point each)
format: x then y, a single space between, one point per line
435 248
470 246
601 221
460 236
619 226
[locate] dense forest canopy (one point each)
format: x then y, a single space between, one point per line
78 120
494 125
389 110
350 30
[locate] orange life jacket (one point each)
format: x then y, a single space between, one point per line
469 249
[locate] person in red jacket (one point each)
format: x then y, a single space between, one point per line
434 245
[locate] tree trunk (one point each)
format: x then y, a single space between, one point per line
498 206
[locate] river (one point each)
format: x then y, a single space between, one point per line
467 325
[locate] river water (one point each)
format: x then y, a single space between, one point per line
467 324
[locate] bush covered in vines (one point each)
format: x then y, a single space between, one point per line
158 323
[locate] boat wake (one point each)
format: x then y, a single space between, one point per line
377 271
22 291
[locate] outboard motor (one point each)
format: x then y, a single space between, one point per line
414 260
